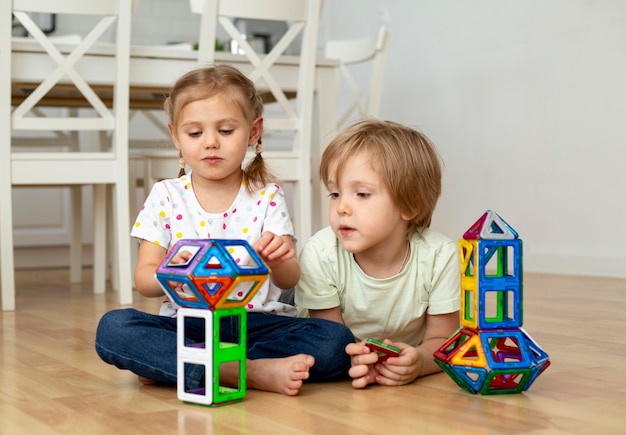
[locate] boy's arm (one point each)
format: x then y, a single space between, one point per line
333 314
414 362
438 329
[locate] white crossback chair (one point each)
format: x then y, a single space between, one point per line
365 98
58 67
289 115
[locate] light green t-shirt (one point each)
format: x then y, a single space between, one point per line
393 307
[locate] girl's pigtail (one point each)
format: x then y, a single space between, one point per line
257 174
181 162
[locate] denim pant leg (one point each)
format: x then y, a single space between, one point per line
273 336
146 344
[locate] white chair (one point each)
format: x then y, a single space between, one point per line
351 52
64 167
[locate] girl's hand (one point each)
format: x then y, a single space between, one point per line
280 255
274 249
181 258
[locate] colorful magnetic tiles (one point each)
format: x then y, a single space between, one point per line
212 279
490 353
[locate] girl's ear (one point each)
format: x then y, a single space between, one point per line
256 131
173 135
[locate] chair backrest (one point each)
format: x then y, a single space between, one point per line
65 69
302 17
365 100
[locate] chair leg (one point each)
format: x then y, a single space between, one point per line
7 265
99 237
136 173
76 234
112 275
123 276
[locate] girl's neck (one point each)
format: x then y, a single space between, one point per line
216 196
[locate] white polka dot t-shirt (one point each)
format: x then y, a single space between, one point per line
171 212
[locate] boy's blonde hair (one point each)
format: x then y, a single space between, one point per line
235 88
405 159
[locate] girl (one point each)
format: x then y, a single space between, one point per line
215 114
378 268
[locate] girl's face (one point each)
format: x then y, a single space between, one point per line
213 136
362 213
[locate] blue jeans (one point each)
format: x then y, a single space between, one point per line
146 343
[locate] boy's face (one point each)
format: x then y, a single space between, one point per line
362 212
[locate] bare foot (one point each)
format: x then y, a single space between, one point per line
146 381
279 375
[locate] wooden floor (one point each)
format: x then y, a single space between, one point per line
52 381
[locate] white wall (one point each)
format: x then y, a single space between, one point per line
525 100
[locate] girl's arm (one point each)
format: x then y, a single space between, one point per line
149 258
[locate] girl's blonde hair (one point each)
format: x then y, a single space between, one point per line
405 159
234 87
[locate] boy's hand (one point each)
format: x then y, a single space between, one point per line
362 361
394 371
402 369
